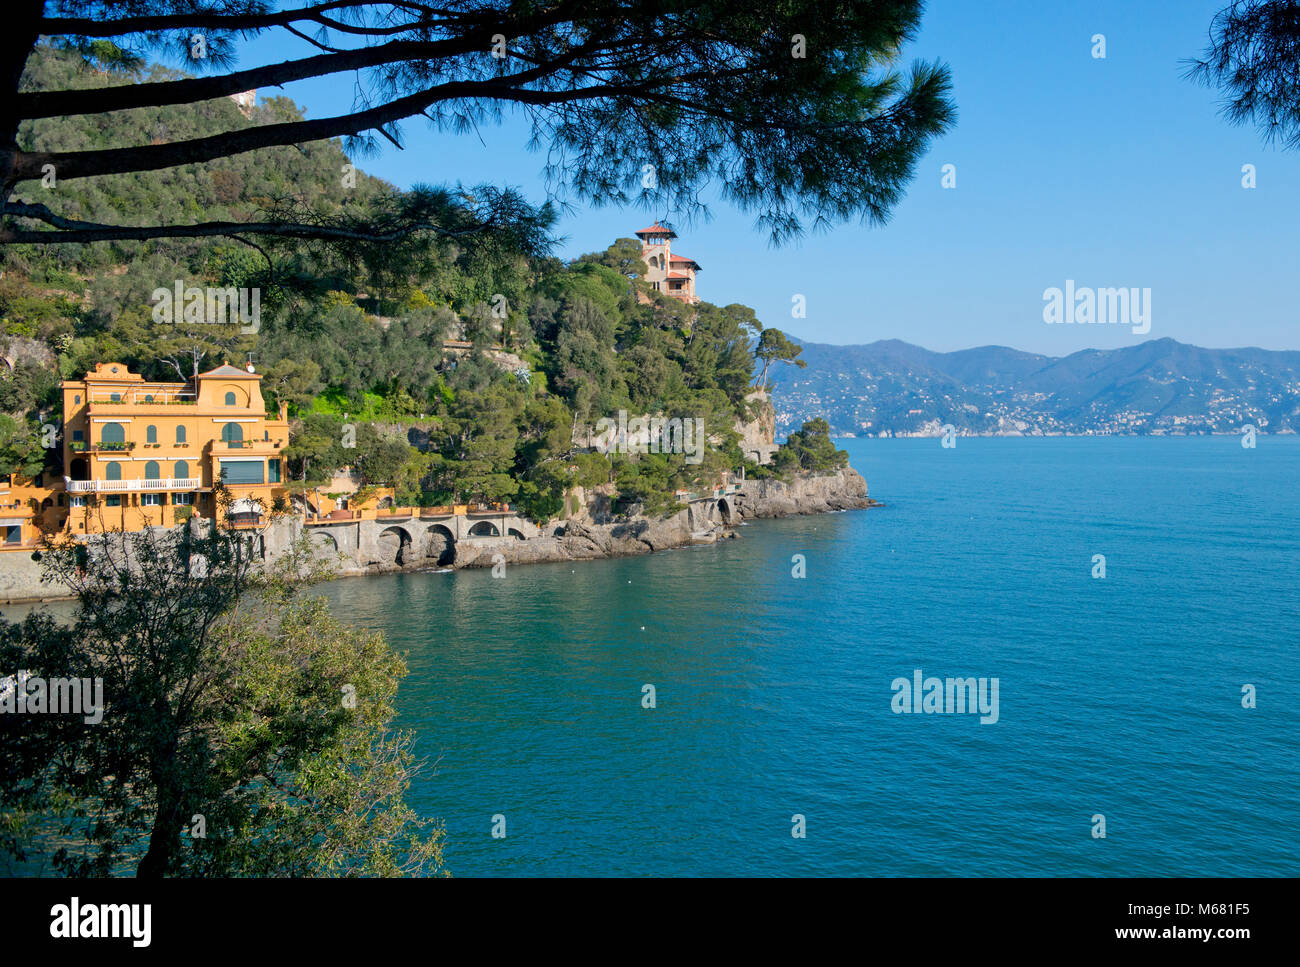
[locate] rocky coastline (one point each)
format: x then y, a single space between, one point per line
586 537
591 534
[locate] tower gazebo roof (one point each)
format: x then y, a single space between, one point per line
655 229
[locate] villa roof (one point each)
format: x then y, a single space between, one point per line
113 371
683 260
677 275
656 229
225 369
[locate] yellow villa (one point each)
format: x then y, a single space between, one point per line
137 454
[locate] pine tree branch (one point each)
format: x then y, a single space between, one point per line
72 230
85 164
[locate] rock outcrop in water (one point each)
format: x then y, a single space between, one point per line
813 494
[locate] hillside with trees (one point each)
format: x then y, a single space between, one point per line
349 339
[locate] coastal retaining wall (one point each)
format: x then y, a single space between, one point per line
20 580
414 543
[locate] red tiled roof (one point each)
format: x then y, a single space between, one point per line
676 275
681 259
656 229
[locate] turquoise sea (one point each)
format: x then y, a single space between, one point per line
1118 696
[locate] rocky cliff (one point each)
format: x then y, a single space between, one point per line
806 494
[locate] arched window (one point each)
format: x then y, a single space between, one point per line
148 397
180 434
151 470
113 433
233 435
113 471
151 434
182 470
230 399
76 400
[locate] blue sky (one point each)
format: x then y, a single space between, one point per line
1113 172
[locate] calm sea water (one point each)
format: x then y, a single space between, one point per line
1119 696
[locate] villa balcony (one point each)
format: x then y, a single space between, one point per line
81 446
122 486
147 395
269 447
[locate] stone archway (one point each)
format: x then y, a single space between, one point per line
440 545
724 511
484 528
394 546
324 544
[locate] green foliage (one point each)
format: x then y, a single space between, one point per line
773 346
1251 61
593 470
647 482
223 697
476 445
20 448
624 257
315 449
379 459
810 449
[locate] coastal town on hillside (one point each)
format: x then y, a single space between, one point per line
901 402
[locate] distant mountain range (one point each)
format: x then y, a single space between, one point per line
1157 387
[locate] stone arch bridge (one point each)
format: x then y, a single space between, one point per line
415 540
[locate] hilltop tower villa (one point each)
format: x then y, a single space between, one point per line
673 275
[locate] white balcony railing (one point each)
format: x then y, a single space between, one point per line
118 486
